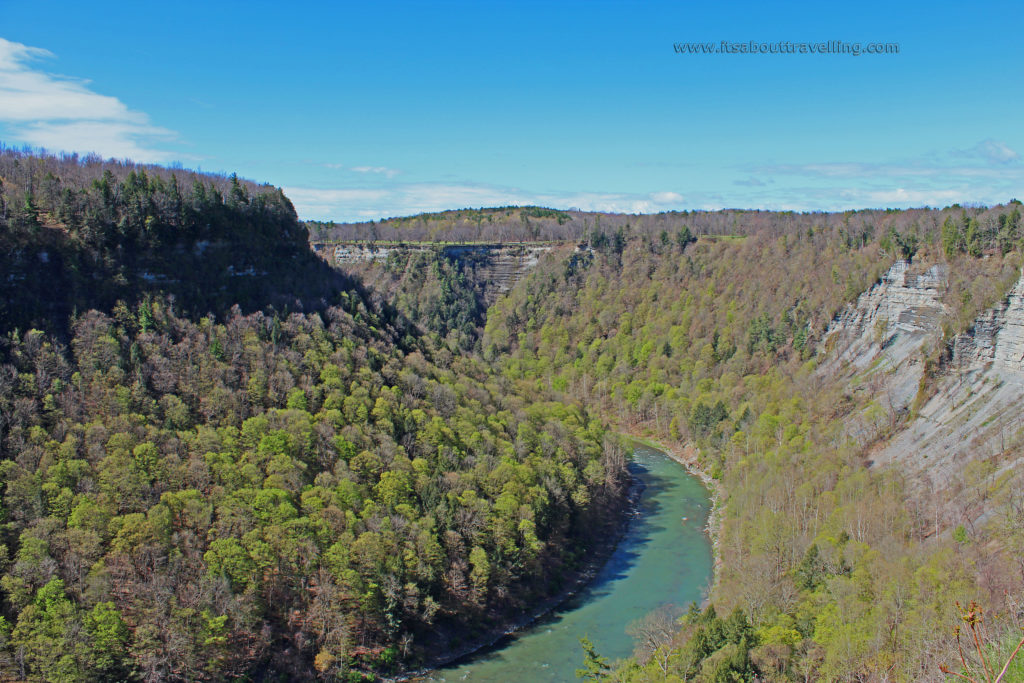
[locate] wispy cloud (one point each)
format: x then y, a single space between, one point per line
880 170
365 171
750 182
992 151
377 170
61 113
987 173
412 198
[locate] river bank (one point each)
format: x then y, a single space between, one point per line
664 559
599 556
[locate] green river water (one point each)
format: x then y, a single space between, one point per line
661 559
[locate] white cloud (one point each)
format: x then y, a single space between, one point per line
412 198
60 113
985 174
877 196
379 170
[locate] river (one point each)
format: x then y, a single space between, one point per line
664 557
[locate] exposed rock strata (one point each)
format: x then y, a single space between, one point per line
974 412
881 336
501 266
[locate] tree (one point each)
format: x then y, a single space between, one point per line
595 667
45 636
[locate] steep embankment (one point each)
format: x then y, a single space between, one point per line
878 343
963 415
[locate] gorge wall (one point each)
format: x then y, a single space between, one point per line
959 428
501 266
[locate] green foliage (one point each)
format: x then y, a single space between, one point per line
224 495
710 348
595 667
344 491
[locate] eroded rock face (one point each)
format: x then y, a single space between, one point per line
974 413
997 336
879 338
893 316
499 266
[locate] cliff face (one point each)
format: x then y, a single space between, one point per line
881 336
902 307
997 337
499 266
973 411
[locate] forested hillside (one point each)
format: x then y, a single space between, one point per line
81 233
439 294
205 496
836 570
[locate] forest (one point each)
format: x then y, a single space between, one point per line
221 458
269 494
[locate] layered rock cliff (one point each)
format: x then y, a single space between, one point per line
881 336
997 336
969 413
500 266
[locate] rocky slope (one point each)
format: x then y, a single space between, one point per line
969 414
879 339
974 413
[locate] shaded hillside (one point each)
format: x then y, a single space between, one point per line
81 233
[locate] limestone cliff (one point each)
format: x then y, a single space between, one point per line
498 266
971 412
974 411
881 336
997 336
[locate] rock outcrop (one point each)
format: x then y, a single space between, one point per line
881 335
973 410
500 266
901 305
997 336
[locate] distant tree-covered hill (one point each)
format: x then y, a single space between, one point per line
537 224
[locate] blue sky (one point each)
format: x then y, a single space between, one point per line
364 110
